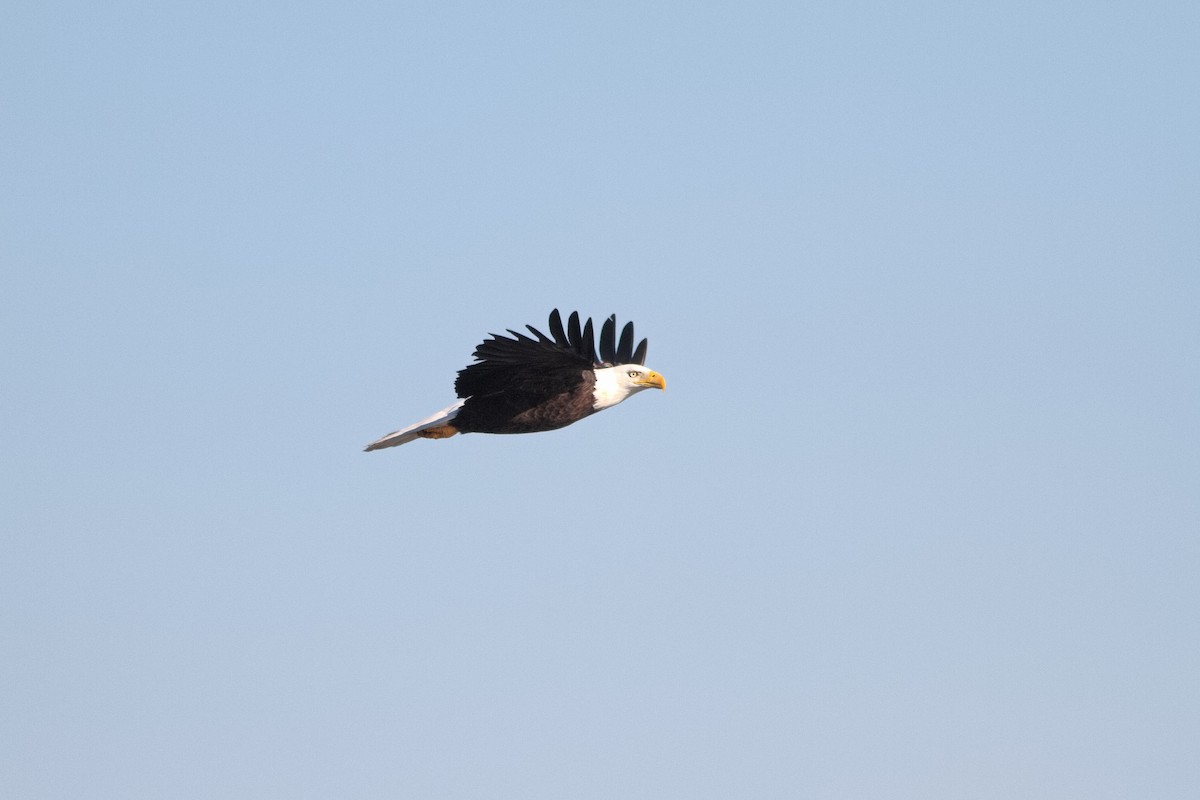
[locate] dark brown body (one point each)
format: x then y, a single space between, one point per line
527 409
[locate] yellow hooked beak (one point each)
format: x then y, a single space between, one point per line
653 379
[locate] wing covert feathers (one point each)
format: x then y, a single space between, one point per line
509 363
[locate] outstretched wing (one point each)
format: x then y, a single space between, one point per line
537 364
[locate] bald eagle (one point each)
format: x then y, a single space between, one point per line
527 384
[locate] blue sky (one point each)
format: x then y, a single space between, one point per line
916 517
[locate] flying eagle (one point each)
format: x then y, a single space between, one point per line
525 385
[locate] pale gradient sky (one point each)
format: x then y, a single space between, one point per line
917 516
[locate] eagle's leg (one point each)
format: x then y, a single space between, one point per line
440 432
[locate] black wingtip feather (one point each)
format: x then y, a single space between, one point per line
608 338
541 337
573 334
588 345
556 328
639 355
625 348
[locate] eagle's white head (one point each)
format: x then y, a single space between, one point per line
614 384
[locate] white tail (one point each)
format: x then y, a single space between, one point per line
406 435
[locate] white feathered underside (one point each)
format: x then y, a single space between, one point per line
406 435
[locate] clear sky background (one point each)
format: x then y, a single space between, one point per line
917 516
